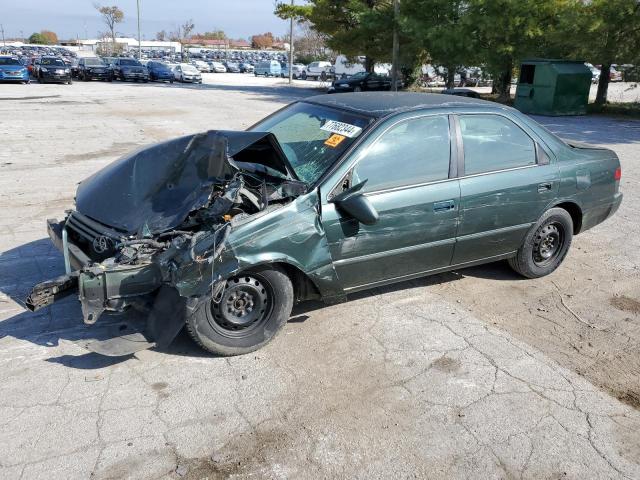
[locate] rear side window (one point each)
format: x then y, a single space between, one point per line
412 152
493 142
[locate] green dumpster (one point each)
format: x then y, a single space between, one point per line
553 87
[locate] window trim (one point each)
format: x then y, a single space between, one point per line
461 160
453 153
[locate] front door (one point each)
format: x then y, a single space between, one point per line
407 169
506 183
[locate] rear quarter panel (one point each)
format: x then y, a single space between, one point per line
587 178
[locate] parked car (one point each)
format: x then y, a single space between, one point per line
361 82
11 70
51 69
203 67
232 67
129 69
185 72
363 190
318 70
246 68
93 67
269 68
296 70
595 73
217 67
160 71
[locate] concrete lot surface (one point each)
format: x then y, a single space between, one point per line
473 374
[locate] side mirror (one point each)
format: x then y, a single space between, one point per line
352 202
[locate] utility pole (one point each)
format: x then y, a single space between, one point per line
396 46
291 45
2 30
139 44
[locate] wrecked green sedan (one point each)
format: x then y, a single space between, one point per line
223 231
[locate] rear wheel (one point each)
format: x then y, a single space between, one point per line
252 310
545 246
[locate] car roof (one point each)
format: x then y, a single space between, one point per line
380 104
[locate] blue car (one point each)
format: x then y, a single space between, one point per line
11 70
160 71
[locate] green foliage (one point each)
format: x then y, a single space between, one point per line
496 34
38 39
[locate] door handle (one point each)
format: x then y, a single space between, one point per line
544 187
444 206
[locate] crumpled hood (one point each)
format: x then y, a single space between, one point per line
153 189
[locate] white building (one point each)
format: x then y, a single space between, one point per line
130 44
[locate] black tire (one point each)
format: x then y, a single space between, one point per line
304 74
545 246
237 330
357 89
40 80
323 76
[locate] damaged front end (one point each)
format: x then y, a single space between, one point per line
145 222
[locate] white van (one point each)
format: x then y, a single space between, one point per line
318 70
344 68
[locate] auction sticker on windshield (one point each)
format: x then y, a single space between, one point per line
345 129
334 140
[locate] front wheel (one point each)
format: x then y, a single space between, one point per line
253 308
545 246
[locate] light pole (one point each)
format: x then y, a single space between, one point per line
139 44
291 45
2 30
396 47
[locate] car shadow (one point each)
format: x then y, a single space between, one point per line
34 262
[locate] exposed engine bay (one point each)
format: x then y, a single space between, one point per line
150 220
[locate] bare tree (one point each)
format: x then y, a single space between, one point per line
111 16
186 28
161 36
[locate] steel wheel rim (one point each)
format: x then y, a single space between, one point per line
548 242
245 306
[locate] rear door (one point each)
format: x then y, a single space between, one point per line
411 184
507 180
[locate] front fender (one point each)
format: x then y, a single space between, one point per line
292 235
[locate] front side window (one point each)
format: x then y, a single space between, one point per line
493 142
412 152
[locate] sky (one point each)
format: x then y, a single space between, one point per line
71 18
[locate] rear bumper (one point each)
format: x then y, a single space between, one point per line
597 215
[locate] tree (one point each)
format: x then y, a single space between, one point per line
439 29
50 36
262 41
111 16
187 27
213 35
610 34
309 44
161 36
507 31
352 27
38 39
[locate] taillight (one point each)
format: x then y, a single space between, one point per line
618 175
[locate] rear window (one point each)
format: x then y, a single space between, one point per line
9 61
52 61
